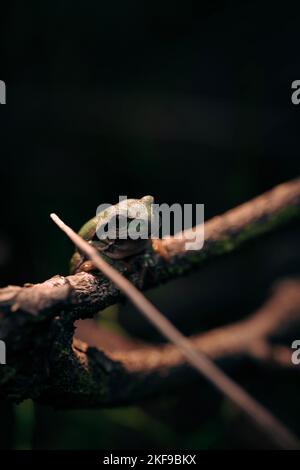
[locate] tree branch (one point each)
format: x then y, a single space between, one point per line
37 321
84 294
73 374
139 370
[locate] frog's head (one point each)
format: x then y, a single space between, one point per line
140 210
109 238
147 201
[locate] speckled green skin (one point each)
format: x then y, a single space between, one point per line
112 248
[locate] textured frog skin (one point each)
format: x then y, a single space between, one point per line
111 245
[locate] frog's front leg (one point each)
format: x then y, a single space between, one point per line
80 263
158 247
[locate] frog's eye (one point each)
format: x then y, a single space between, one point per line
112 229
121 221
116 224
100 230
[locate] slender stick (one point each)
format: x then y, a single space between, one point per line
275 430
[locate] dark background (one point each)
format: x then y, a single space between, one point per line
190 104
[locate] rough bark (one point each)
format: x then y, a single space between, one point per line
37 321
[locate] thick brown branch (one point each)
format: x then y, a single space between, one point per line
117 370
84 294
260 416
37 321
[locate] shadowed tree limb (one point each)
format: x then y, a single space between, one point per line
84 294
143 370
201 362
50 371
119 370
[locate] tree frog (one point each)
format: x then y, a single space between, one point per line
114 243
